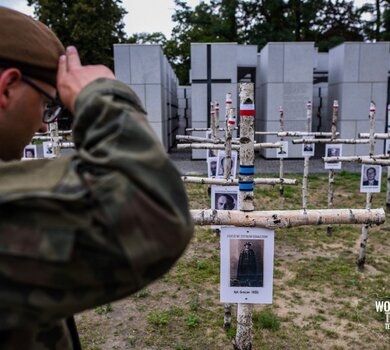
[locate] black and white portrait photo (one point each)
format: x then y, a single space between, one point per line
370 178
48 151
221 164
333 150
212 166
246 264
210 152
308 148
283 151
224 197
30 152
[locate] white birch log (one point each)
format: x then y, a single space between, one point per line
243 339
388 165
230 124
331 141
60 132
288 218
55 138
306 159
377 135
329 230
295 133
205 129
232 182
203 139
359 159
281 163
364 233
257 146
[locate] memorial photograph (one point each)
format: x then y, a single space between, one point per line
48 151
212 166
224 197
333 150
370 179
221 164
283 151
246 264
30 152
308 149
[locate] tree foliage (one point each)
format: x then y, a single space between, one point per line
93 26
326 22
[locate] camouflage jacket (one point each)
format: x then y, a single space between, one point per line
88 228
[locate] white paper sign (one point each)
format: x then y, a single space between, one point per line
224 197
333 150
370 178
308 148
247 264
221 164
283 151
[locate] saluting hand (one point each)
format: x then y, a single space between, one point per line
72 77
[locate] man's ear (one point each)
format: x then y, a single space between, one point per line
9 79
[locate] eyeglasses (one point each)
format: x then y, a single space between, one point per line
54 108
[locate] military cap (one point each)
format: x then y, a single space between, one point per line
28 45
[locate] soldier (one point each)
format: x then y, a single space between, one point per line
84 229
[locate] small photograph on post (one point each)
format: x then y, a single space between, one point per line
212 166
48 151
221 164
30 152
282 152
210 152
308 148
370 178
387 145
333 150
224 197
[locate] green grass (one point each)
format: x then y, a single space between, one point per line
320 299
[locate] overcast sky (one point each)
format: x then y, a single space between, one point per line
143 15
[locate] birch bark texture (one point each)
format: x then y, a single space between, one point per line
364 234
281 164
306 159
329 229
243 339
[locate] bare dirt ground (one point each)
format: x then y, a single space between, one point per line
320 299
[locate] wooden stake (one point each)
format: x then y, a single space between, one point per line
281 164
329 229
288 218
232 182
55 138
388 168
306 159
243 339
364 234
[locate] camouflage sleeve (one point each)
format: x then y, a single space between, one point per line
95 226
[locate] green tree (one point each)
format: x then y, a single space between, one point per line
147 38
213 22
339 21
93 26
377 27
